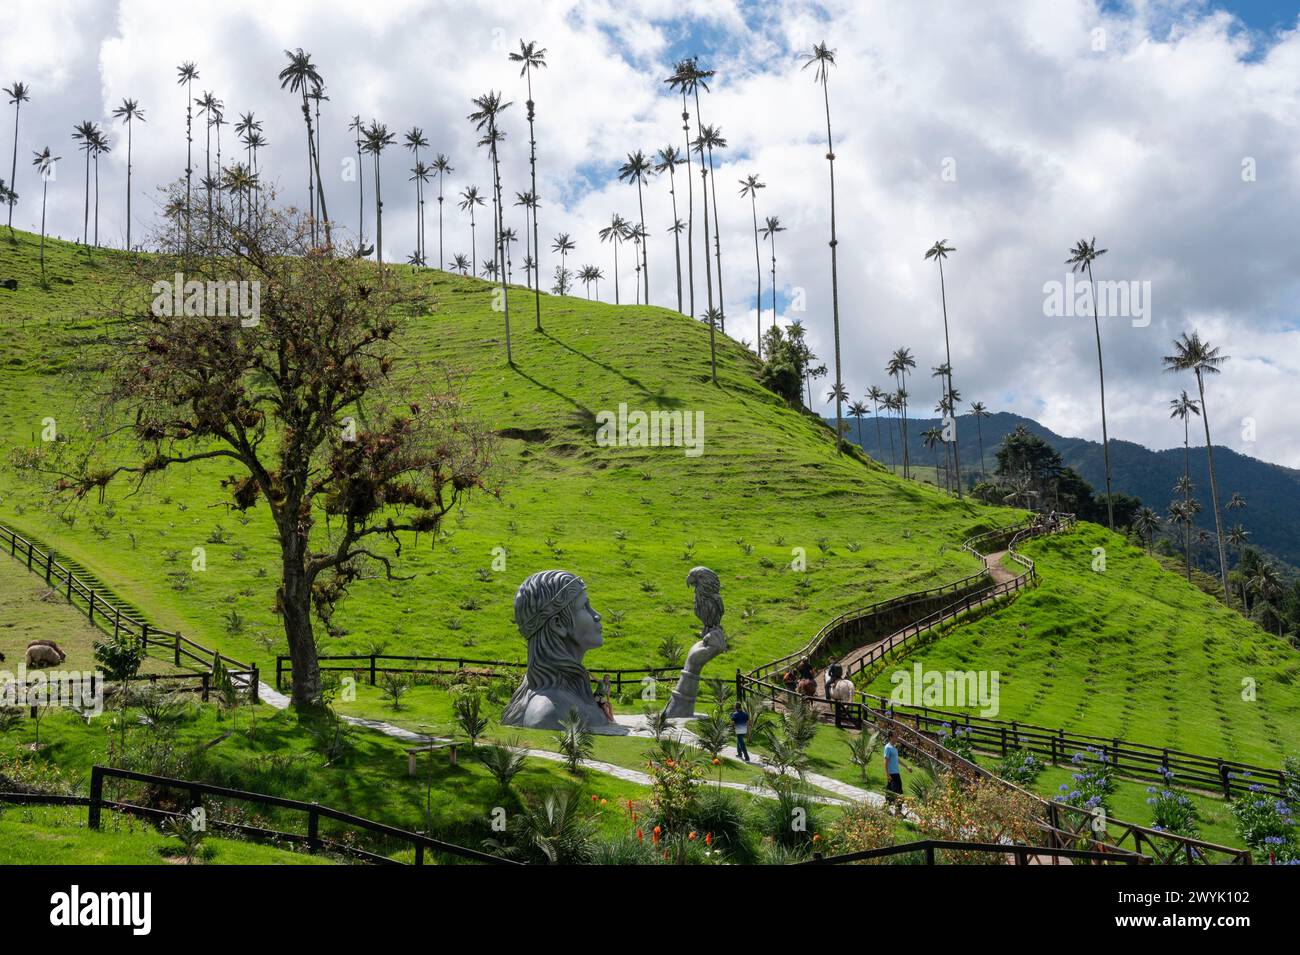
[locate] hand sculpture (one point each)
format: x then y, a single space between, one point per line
709 609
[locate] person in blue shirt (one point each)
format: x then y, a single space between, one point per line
894 787
740 719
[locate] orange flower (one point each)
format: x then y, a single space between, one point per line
691 836
817 837
708 838
602 802
593 797
716 761
640 836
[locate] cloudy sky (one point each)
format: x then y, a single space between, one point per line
1169 129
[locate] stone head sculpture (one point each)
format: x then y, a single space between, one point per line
558 625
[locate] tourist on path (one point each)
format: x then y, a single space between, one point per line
894 786
740 719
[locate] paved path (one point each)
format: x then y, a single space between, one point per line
636 726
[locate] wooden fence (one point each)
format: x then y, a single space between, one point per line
111 618
314 813
929 850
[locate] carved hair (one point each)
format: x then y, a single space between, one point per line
545 606
708 596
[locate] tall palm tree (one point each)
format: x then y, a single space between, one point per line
668 161
530 204
129 112
87 133
508 237
637 170
894 403
685 78
1190 507
45 165
978 411
563 244
1201 358
859 410
487 112
469 198
441 165
696 79
18 94
771 226
615 233
358 129
316 95
99 147
209 106
932 438
711 138
186 74
301 76
900 364
532 57
939 251
712 318
415 140
822 58
1237 537
1146 523
1082 256
1267 585
378 138
749 186
875 395
461 264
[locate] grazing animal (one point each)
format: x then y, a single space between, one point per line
44 653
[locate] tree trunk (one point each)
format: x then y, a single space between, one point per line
758 294
690 205
1214 491
295 603
1101 377
835 277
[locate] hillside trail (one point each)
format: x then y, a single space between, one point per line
998 573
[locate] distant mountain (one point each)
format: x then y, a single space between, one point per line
1272 492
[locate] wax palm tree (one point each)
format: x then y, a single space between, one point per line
978 411
1267 586
563 244
749 186
18 94
638 169
461 264
358 128
894 402
615 233
932 438
686 79
859 410
710 139
241 182
1237 537
186 74
415 140
129 112
487 112
419 176
822 58
712 318
1183 407
1081 258
245 126
377 139
1146 523
586 277
301 76
1202 359
508 238
1190 507
668 161
527 200
900 364
86 133
637 235
99 147
491 270
209 106
175 211
469 198
532 57
441 165
696 79
771 226
45 166
939 252
875 395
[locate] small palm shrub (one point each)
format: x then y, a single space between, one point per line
503 761
791 819
467 702
574 740
862 751
552 830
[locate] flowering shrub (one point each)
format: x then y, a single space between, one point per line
979 811
1267 824
1172 811
861 827
673 790
1020 767
1093 784
958 740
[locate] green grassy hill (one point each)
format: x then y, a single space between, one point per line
1134 652
633 521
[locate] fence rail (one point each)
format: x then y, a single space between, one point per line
112 618
1021 854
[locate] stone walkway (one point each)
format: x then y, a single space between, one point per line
842 793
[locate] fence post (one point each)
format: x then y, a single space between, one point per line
372 669
69 586
144 635
1223 778
1004 742
419 853
177 643
740 690
91 607
49 566
205 683
929 855
313 828
117 622
279 672
253 690
96 795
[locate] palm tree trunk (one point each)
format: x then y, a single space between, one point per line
758 294
45 191
1214 490
645 241
189 155
615 272
532 163
835 277
704 203
947 350
979 431
379 215
440 259
361 201
97 200
772 243
501 244
128 184
677 236
690 202
13 167
717 250
85 215
1187 492
1101 377
879 444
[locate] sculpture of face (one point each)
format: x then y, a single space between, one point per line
586 624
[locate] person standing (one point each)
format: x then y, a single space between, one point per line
894 785
740 720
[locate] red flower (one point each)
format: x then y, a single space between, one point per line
640 836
